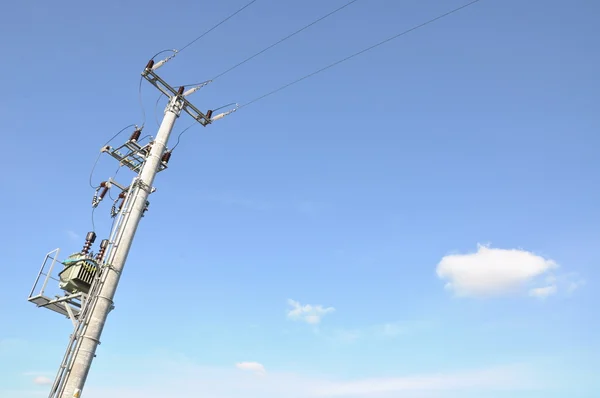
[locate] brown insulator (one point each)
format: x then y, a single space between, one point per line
135 135
180 91
166 157
103 246
89 241
150 64
209 113
91 236
103 192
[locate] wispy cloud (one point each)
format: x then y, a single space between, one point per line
393 329
575 284
173 377
42 380
493 379
253 367
543 292
308 313
346 336
39 378
384 331
73 235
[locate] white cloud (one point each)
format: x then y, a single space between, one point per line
346 336
252 367
488 379
574 285
492 272
543 292
73 235
311 314
390 330
393 329
42 380
174 376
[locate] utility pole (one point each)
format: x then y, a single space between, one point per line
90 283
139 192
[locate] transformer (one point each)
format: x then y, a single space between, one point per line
78 274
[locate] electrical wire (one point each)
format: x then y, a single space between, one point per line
359 53
216 26
113 178
156 109
180 134
195 123
163 51
142 102
278 42
100 154
284 39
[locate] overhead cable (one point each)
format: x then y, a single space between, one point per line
100 154
216 26
359 53
284 39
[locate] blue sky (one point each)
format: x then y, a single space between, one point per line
421 221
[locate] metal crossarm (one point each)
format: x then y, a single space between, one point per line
169 91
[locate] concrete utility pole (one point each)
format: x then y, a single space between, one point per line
139 192
89 282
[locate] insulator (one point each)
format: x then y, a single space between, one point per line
135 135
103 193
209 114
103 246
150 64
89 240
166 157
191 91
91 236
180 91
219 116
160 63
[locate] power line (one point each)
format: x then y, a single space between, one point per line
284 39
142 102
182 132
359 53
156 109
100 154
195 124
216 26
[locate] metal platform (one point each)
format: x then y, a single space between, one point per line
68 305
62 305
132 155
